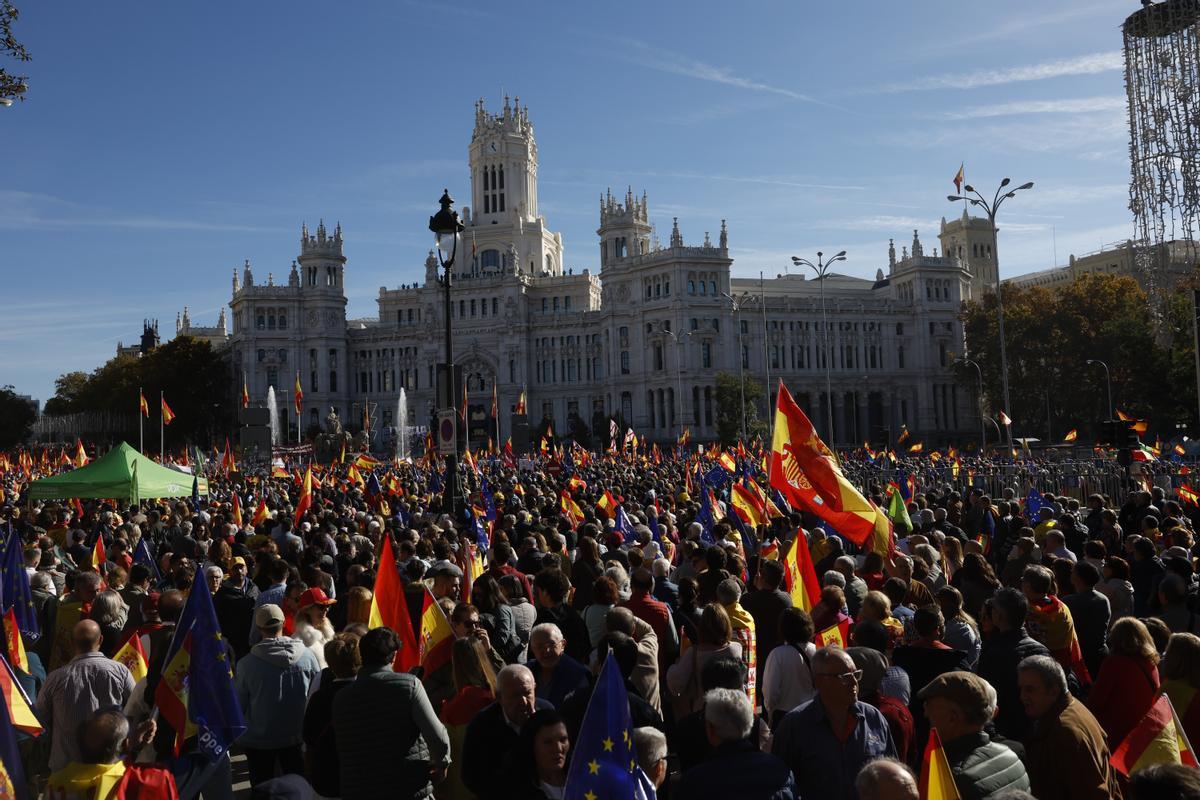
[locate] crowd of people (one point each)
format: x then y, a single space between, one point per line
1031 634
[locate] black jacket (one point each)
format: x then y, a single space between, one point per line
487 748
1002 652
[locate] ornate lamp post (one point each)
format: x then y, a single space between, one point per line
822 270
446 226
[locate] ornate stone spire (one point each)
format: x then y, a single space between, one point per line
676 238
891 252
723 241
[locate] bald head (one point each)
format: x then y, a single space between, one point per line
170 605
886 779
86 636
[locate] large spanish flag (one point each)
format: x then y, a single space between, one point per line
305 501
437 637
800 576
389 608
795 450
937 781
1158 738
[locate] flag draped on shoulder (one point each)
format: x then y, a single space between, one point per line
807 474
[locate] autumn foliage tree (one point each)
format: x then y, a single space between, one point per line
1051 334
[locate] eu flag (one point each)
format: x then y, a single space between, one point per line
141 555
717 477
206 693
623 524
906 488
489 502
655 534
604 764
15 587
1033 504
481 535
705 515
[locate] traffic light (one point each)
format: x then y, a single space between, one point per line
1109 433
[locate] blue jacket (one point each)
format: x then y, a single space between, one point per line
568 676
272 688
824 766
738 769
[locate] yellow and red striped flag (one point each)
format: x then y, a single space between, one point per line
389 607
98 556
800 576
298 395
143 406
81 456
167 414
916 448
1071 436
305 501
15 645
237 510
937 781
1158 738
261 514
133 656
836 635
20 710
437 637
245 392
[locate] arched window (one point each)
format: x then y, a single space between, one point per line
261 321
549 263
489 260
282 321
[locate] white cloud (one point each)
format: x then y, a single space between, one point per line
29 210
1083 105
1092 64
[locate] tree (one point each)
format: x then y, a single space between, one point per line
1051 334
729 399
12 87
17 415
192 377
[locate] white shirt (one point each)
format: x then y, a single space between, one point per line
787 681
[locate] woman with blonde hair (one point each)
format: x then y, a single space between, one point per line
878 607
1128 681
475 689
1180 670
358 605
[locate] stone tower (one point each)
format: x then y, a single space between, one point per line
503 160
624 227
969 239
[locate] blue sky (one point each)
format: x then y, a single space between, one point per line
162 144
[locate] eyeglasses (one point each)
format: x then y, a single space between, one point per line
847 678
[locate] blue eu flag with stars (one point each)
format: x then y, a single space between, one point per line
604 764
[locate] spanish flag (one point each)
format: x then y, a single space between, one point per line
81 456
903 435
607 504
364 461
684 437
959 177
14 644
389 607
748 505
133 655
20 710
98 556
143 406
937 781
305 501
261 514
1158 738
237 510
570 508
1071 436
437 637
167 414
520 410
298 395
836 635
1179 451
916 448
800 576
245 392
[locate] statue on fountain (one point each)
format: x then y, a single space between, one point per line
330 444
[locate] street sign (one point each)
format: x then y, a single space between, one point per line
447 430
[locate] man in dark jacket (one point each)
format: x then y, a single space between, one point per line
492 734
1090 612
959 705
1002 652
390 743
766 603
737 768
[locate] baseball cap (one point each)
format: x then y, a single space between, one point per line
965 689
268 616
239 560
315 597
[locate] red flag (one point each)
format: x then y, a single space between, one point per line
797 449
390 608
237 510
305 501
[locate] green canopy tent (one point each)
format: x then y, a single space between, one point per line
121 474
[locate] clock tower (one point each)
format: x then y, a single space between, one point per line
503 158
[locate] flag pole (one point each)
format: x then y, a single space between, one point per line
162 447
141 425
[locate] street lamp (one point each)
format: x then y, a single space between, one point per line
735 307
982 427
678 367
446 226
1107 381
822 270
991 209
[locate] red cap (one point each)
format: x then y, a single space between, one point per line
315 597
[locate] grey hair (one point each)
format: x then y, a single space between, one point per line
871 777
43 581
728 591
548 628
993 700
109 609
927 552
833 578
510 673
619 576
729 713
651 745
1039 578
1051 671
844 561
662 568
84 578
213 569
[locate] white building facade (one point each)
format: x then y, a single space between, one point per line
643 339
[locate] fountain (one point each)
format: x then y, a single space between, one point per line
402 426
274 409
